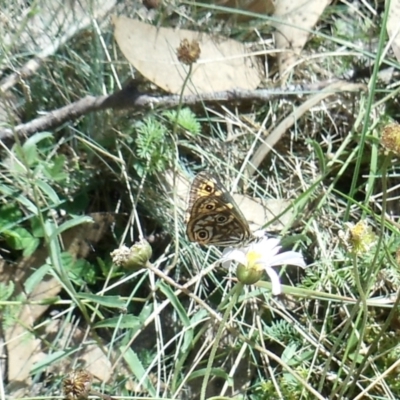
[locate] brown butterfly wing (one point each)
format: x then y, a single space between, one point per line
213 216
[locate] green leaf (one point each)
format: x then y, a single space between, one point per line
185 119
289 355
49 192
107 301
198 316
31 246
28 155
20 239
22 199
138 370
107 268
70 224
79 271
52 359
36 138
146 312
359 358
55 171
50 300
121 322
35 278
37 227
9 213
188 335
320 155
219 372
6 290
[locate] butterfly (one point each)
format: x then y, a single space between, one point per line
213 217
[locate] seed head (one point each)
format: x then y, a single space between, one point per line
390 138
188 53
77 384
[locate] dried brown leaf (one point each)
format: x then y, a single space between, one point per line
90 355
263 7
23 349
298 18
224 64
258 212
393 27
21 345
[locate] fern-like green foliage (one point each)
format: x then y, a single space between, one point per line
8 313
289 388
281 331
6 290
185 118
154 147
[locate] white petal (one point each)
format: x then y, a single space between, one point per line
261 233
271 253
227 250
234 255
267 247
274 277
288 257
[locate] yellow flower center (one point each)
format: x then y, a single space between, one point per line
253 259
253 270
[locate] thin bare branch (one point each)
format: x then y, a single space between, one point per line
130 98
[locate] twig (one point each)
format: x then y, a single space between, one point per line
130 98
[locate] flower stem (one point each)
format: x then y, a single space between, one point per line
372 347
236 294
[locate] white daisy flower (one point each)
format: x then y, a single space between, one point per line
258 257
